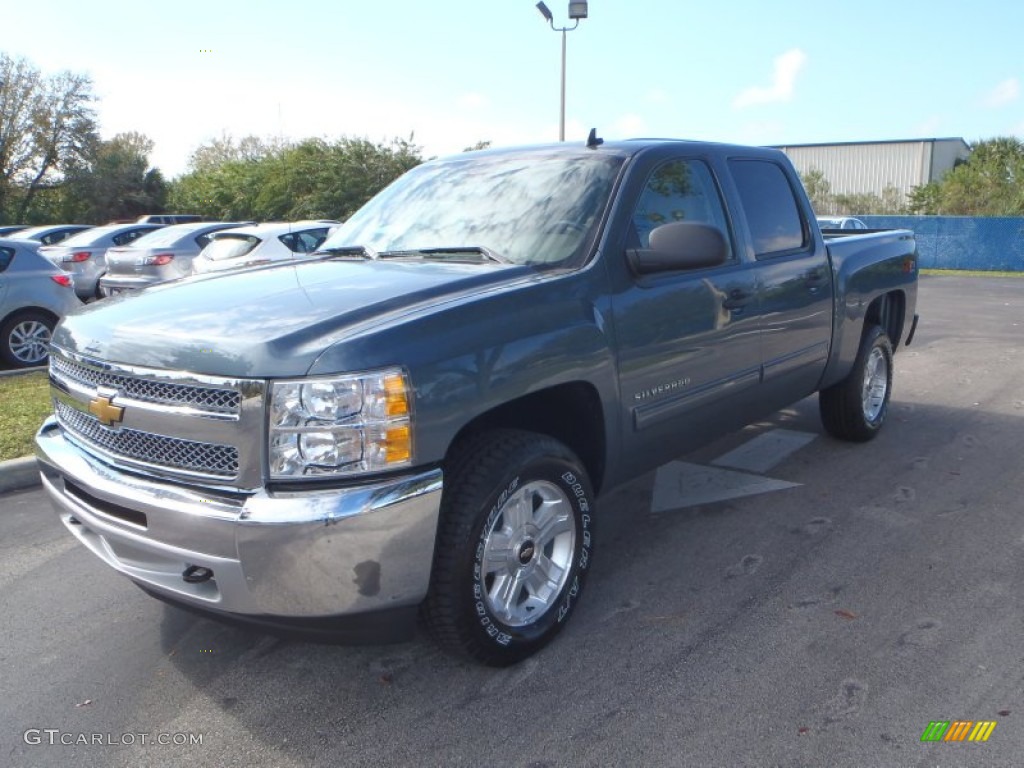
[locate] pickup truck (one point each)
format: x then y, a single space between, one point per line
417 420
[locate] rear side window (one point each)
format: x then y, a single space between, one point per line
770 207
6 256
304 242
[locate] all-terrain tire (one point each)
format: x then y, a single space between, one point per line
856 407
513 546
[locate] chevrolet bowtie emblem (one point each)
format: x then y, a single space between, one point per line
104 410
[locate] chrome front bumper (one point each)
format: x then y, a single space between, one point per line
273 555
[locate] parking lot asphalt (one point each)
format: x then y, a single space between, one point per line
777 598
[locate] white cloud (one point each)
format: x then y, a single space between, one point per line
929 126
629 126
657 96
760 132
1005 93
786 68
473 101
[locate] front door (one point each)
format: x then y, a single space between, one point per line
688 340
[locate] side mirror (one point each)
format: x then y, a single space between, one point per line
679 245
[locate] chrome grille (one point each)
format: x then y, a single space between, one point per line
157 450
209 399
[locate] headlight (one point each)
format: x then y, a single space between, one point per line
342 425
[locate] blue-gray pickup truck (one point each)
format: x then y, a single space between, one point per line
418 419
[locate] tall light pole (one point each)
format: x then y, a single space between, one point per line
577 11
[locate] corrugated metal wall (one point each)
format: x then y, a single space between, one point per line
866 168
870 167
962 242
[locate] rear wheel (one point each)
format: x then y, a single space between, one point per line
855 408
513 547
25 339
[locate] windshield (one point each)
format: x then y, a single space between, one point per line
528 208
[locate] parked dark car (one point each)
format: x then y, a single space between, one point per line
34 296
168 218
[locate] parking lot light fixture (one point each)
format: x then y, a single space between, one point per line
577 11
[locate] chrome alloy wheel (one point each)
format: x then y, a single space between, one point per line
528 553
29 341
876 384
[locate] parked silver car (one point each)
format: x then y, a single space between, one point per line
85 254
165 254
34 296
51 234
261 244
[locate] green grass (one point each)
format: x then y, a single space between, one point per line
970 273
24 404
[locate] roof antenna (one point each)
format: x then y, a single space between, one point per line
592 141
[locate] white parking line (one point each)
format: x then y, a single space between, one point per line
765 451
679 484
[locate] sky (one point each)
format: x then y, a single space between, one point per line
451 73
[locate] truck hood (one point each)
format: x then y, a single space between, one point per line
267 322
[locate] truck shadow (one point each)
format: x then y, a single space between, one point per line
665 588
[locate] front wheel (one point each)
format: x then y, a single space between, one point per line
855 408
513 546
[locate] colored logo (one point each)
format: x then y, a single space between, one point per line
958 730
105 411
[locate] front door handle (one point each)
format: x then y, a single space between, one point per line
737 299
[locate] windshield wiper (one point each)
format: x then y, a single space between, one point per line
482 251
360 251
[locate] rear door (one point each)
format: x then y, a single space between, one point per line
687 339
794 279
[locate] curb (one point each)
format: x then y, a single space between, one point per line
19 474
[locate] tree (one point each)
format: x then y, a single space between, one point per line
989 183
45 124
819 190
226 149
268 180
825 202
115 181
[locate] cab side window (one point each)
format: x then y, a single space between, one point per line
679 190
776 226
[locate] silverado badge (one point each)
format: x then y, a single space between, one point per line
104 410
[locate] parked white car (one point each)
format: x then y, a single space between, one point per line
840 222
260 244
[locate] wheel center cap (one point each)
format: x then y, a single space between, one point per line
527 551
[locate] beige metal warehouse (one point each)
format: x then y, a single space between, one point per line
868 167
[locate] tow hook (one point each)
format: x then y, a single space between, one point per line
196 574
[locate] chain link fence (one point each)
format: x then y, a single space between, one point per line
962 242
